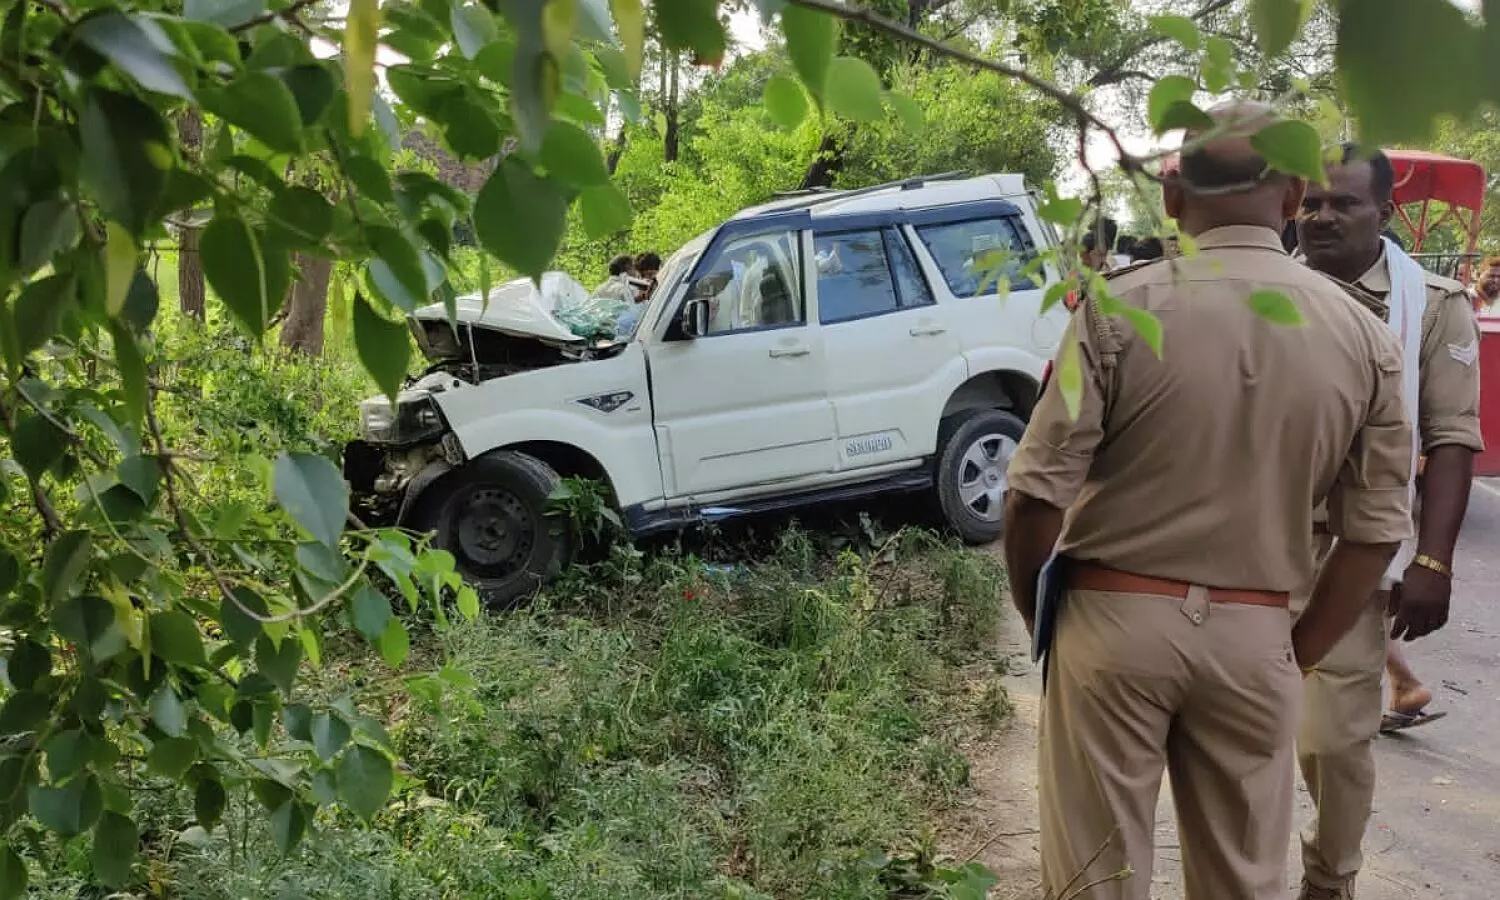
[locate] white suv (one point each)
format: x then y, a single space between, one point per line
824 346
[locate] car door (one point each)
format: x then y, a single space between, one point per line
743 406
891 356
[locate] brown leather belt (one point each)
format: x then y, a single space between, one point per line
1089 576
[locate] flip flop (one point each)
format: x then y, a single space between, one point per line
1393 721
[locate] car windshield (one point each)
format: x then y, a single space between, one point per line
672 272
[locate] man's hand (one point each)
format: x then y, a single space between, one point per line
1420 603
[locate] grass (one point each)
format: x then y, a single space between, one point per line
653 727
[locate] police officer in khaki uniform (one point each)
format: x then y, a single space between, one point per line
1339 230
1180 493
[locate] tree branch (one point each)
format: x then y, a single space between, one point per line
273 15
1115 72
1067 99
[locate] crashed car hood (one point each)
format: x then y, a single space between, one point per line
518 308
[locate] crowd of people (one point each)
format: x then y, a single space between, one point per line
1219 550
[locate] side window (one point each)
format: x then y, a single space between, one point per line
854 278
911 286
979 256
752 283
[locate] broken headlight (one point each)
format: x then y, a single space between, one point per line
412 420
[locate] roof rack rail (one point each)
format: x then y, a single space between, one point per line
813 196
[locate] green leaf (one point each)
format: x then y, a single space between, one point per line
28 661
403 261
262 105
279 662
365 778
361 33
88 621
209 801
371 612
24 711
170 757
125 43
785 101
1218 64
13 874
473 27
1166 93
1403 63
141 302
384 347
570 155
909 111
288 821
605 211
1178 28
70 809
314 492
520 218
395 644
132 366
1183 115
1063 211
66 561
1277 22
1145 324
1293 147
811 36
240 628
40 308
303 214
297 720
142 474
126 154
37 444
1070 377
68 752
116 840
630 21
467 602
853 90
119 267
168 712
329 733
313 87
175 638
1275 307
248 272
469 129
227 13
49 227
692 25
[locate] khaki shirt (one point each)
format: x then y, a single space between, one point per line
1201 466
1448 374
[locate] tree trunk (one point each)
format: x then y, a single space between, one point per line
190 289
669 140
303 329
826 164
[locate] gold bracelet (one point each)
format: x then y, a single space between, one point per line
1436 565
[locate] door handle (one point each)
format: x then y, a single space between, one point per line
927 330
787 352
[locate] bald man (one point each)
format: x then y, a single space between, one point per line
1179 498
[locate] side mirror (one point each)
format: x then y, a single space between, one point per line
695 320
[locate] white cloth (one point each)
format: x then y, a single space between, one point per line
1407 303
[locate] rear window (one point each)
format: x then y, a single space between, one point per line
981 256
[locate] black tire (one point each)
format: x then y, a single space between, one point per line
991 434
491 514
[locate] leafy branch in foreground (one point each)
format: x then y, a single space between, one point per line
154 627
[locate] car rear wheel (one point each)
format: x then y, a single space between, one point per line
976 449
491 514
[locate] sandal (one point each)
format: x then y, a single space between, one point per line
1393 721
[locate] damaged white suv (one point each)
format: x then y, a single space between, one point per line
824 346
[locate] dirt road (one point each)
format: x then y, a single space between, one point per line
1436 828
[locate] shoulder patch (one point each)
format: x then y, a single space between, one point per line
1465 354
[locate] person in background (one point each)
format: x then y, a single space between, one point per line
1147 249
1340 232
620 284
647 265
1124 251
1487 287
1098 244
1173 651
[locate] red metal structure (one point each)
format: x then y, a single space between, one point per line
1457 184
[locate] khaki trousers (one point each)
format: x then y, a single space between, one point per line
1341 711
1141 684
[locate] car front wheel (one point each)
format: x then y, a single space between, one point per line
491 515
975 452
